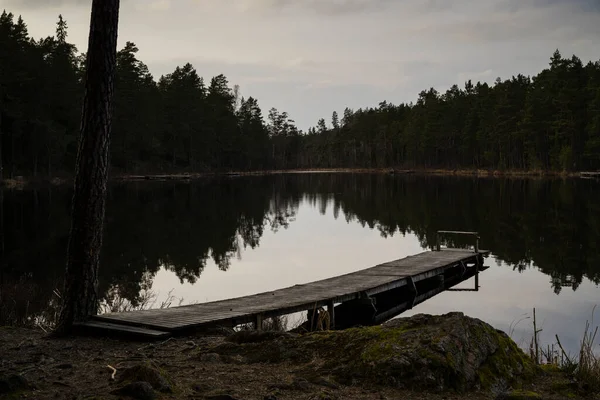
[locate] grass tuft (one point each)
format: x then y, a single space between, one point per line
584 367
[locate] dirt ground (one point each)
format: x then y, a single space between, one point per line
78 368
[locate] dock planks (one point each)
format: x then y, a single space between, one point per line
296 298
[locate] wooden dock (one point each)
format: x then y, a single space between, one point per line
590 175
381 280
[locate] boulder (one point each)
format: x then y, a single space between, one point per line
451 351
147 373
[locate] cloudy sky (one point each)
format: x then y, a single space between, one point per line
310 57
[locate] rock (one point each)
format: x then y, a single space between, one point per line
13 383
519 395
220 397
202 387
450 351
270 397
64 366
147 373
137 390
227 353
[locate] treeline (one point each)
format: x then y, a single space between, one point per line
182 123
547 122
178 122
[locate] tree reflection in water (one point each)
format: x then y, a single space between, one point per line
552 225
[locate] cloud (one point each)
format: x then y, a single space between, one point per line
309 57
160 5
515 22
323 7
574 5
35 4
344 7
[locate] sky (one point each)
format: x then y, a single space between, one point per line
310 57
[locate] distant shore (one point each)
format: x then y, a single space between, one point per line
22 182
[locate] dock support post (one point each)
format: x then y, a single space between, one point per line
310 317
412 287
437 241
478 263
442 280
331 311
259 322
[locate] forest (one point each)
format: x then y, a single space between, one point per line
183 123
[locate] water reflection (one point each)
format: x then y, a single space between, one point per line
156 229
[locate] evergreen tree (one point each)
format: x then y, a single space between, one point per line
335 120
549 121
80 298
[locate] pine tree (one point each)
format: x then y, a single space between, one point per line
80 297
335 121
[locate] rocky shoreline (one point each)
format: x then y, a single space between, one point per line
422 357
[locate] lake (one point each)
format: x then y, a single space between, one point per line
225 237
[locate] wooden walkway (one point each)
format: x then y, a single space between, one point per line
590 175
231 312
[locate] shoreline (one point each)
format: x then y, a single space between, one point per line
22 182
222 364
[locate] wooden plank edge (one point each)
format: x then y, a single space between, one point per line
101 328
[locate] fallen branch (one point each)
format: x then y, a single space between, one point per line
114 372
152 345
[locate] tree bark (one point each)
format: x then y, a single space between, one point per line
1 138
80 297
12 155
1 223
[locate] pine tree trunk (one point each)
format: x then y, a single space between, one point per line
80 296
12 155
49 163
1 224
1 137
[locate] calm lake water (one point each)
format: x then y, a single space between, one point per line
219 238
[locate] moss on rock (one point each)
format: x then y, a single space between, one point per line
451 351
508 362
520 395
